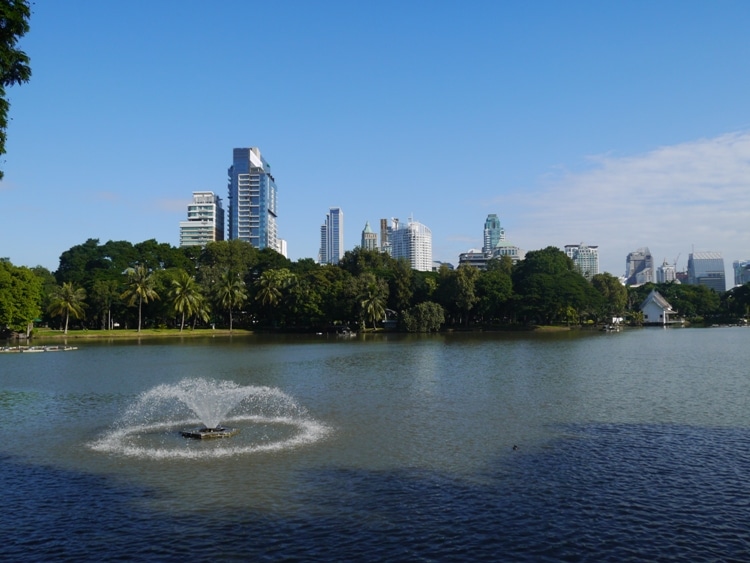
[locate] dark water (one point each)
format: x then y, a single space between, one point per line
632 446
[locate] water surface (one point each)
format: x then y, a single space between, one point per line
632 445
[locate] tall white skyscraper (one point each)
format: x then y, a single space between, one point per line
332 237
412 241
586 258
205 222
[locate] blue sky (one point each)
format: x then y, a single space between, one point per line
616 124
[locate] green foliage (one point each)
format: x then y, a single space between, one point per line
66 301
424 317
548 285
140 289
14 63
186 296
20 296
230 293
614 295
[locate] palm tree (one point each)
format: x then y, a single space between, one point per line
185 295
140 288
231 293
271 286
371 293
202 310
67 300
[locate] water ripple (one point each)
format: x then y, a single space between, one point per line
601 493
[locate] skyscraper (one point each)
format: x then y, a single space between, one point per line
369 238
252 199
493 233
412 241
666 272
707 268
585 258
741 272
639 267
205 222
332 237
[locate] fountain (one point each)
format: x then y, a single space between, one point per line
210 409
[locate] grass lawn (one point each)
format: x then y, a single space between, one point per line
50 334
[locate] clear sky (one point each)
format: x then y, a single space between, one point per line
616 124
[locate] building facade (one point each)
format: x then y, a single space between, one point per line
205 220
666 273
741 271
369 238
707 268
493 233
639 267
332 237
412 241
252 199
585 258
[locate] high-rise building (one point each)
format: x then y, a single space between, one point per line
412 241
639 267
252 199
369 238
585 258
205 220
493 233
666 273
385 243
741 272
707 268
332 237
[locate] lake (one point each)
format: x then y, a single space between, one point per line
570 446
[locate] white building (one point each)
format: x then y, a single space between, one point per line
666 273
586 259
412 241
656 310
205 222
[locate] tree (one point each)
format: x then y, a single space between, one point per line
614 294
20 296
14 63
140 287
424 317
230 293
185 295
271 286
103 295
67 300
370 295
373 303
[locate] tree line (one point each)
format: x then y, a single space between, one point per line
232 284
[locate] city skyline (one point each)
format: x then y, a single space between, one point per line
576 123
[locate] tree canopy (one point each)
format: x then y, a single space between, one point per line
14 63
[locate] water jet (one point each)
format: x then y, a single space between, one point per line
203 410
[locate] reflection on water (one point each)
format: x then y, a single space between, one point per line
630 446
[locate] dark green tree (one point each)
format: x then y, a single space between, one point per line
424 317
14 63
20 296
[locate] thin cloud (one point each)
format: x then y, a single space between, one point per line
671 198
